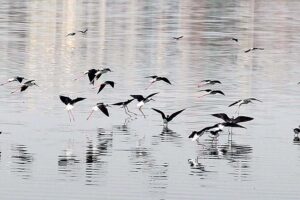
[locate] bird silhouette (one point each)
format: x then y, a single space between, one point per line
70 104
168 118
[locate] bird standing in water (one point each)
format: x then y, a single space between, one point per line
168 118
84 31
70 104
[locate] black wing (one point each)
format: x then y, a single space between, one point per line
216 81
164 79
24 87
254 99
111 83
217 92
118 104
65 100
235 39
162 114
151 76
207 90
151 95
103 109
28 82
193 134
138 97
175 114
91 75
242 119
77 100
222 116
19 79
238 101
70 34
98 75
248 50
101 87
233 125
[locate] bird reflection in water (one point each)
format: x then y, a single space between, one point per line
168 135
22 160
194 164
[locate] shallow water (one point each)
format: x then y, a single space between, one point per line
44 156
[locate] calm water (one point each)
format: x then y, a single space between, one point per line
44 156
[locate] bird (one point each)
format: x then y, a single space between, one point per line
243 101
209 82
235 39
157 78
252 49
168 118
13 79
178 38
142 100
99 106
209 91
111 83
84 31
124 104
95 75
25 85
70 104
71 34
297 131
214 129
91 74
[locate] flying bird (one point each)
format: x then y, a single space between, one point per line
241 102
111 83
209 82
26 85
215 129
252 49
143 100
95 75
70 104
157 78
168 118
178 38
14 79
124 104
100 106
235 39
84 31
297 131
209 91
71 34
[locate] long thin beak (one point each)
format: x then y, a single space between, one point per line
90 115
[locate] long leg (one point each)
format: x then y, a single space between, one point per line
69 116
72 115
149 86
90 115
130 111
126 112
15 91
142 112
203 96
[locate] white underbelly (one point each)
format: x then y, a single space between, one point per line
69 107
140 104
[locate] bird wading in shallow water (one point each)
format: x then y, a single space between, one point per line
70 104
168 118
143 100
124 104
156 79
99 106
25 86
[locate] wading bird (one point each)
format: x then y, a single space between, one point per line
252 49
209 82
70 104
99 106
168 118
111 83
142 100
243 101
124 105
178 38
16 78
209 91
25 85
157 78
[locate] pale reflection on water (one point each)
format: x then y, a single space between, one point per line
137 158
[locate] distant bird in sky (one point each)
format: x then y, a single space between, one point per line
14 79
84 31
235 39
100 106
71 34
124 104
25 85
178 38
209 82
168 118
70 104
252 49
143 100
242 102
209 91
111 83
157 78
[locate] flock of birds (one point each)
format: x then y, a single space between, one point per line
94 75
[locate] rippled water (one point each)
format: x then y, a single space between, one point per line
44 156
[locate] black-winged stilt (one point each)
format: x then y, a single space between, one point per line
243 101
111 83
16 78
99 106
70 104
208 82
157 78
215 129
168 118
142 100
252 49
124 104
209 91
25 85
